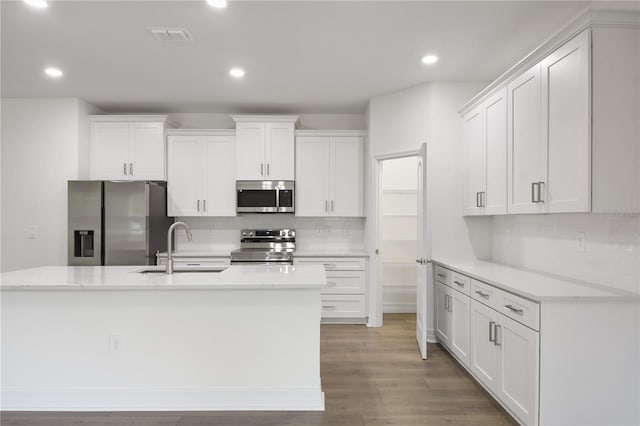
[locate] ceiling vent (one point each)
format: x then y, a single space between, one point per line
170 34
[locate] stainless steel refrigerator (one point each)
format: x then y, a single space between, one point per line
117 222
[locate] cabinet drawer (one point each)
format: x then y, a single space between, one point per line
461 283
333 263
521 310
344 282
486 294
443 275
340 306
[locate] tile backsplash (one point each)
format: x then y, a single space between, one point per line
548 243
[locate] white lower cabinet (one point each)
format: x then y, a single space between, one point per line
502 353
344 296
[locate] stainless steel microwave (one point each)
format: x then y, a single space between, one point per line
265 196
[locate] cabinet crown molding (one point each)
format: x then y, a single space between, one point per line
265 118
336 133
200 132
592 16
130 118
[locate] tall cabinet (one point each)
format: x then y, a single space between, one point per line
330 173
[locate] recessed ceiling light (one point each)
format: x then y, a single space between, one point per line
236 72
429 59
53 72
218 4
37 4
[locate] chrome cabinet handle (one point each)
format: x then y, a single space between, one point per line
513 309
495 341
540 200
124 169
331 284
477 199
442 275
198 205
204 205
459 283
268 169
332 206
483 199
485 295
329 265
330 307
261 169
533 192
131 169
492 331
326 205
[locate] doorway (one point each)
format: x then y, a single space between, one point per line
400 239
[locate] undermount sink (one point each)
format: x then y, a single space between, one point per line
157 270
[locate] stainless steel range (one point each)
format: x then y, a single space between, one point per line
265 246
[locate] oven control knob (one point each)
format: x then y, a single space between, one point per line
251 234
244 234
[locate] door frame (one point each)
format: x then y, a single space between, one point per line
375 226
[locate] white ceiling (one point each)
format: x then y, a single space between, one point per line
300 56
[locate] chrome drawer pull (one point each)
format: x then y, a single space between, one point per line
329 265
516 310
193 264
485 295
442 275
331 284
492 331
331 307
495 342
459 283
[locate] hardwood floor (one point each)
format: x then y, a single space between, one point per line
370 376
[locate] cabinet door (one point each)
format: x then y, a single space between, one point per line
460 339
347 176
474 180
566 123
526 147
110 150
250 151
280 151
184 180
312 176
146 151
218 176
443 322
518 384
484 352
494 200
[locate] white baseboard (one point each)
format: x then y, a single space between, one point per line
208 399
431 336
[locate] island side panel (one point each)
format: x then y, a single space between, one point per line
590 362
178 350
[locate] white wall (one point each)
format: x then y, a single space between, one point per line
42 141
547 243
306 121
400 122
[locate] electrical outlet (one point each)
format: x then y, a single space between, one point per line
115 343
32 232
580 241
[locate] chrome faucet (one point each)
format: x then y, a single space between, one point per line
169 269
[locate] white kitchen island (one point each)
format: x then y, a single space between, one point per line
112 339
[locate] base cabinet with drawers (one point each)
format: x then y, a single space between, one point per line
344 296
544 362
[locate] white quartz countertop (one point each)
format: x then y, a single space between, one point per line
534 286
298 253
240 277
215 253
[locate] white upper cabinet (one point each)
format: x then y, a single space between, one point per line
127 147
474 183
330 174
566 124
265 147
526 147
573 137
201 174
485 136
